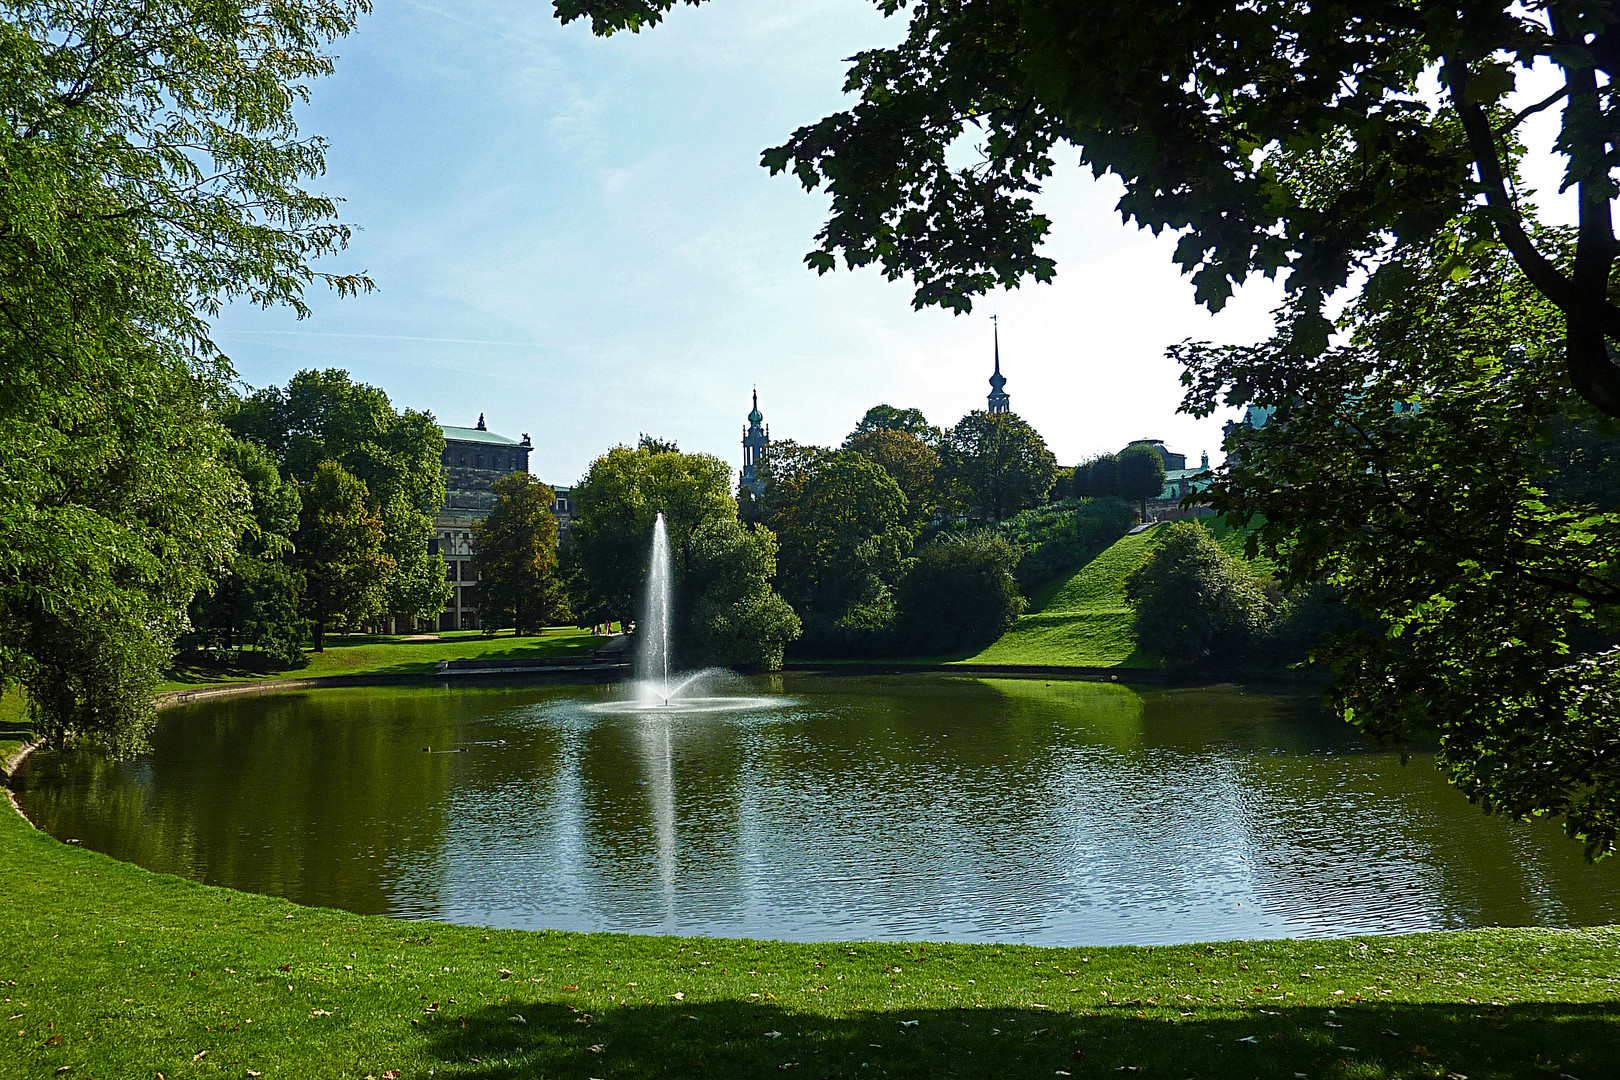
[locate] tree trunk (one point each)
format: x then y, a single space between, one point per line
517 617
319 635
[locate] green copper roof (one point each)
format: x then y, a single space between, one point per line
475 435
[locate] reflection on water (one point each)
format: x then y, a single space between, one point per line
888 808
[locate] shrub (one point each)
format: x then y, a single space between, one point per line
1194 602
959 594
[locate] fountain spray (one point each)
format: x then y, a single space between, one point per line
652 653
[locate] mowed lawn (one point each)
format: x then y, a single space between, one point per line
109 971
365 655
1082 621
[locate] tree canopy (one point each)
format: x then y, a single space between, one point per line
1139 475
153 171
515 553
1425 470
1274 137
726 611
339 548
889 418
326 416
1000 463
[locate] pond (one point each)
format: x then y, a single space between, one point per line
893 808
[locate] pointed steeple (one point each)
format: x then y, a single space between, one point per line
999 402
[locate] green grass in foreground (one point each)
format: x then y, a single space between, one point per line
110 971
364 655
1083 620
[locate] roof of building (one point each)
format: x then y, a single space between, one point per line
476 435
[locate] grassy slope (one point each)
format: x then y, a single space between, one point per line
371 655
1084 620
117 972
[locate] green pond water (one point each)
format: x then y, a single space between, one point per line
900 808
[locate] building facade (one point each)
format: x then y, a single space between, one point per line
474 458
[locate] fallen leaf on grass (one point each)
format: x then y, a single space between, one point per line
199 1055
284 967
773 1034
391 1074
679 995
518 1019
320 1012
54 1040
1250 1039
570 986
597 1048
254 1073
505 973
63 1069
908 1023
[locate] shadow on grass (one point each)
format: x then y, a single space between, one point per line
737 1039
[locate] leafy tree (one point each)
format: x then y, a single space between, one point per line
515 553
843 537
152 172
656 445
737 620
1275 137
1408 469
1140 475
959 593
1000 461
327 416
256 603
1097 478
1194 602
722 570
339 548
910 462
889 418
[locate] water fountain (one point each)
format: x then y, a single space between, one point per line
654 689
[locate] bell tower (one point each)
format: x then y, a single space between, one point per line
754 438
999 402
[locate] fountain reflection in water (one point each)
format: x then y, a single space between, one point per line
654 689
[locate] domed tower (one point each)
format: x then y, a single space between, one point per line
999 402
755 436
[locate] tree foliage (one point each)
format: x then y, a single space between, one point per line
841 522
726 612
910 462
1097 477
959 593
889 418
1000 463
326 416
339 548
1140 475
256 603
1274 137
1412 470
515 554
1195 604
152 172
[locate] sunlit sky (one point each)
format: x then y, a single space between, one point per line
573 236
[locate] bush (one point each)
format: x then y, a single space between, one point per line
1063 536
1194 602
959 594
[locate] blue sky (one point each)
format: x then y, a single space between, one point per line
573 236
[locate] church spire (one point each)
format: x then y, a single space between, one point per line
755 437
999 402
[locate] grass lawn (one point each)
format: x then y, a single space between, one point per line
110 971
1083 620
360 654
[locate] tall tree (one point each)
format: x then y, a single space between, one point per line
326 416
1274 137
843 540
1140 475
910 462
152 171
726 612
256 603
339 549
515 553
889 418
1000 461
1420 471
1098 477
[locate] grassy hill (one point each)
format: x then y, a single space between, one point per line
1082 620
